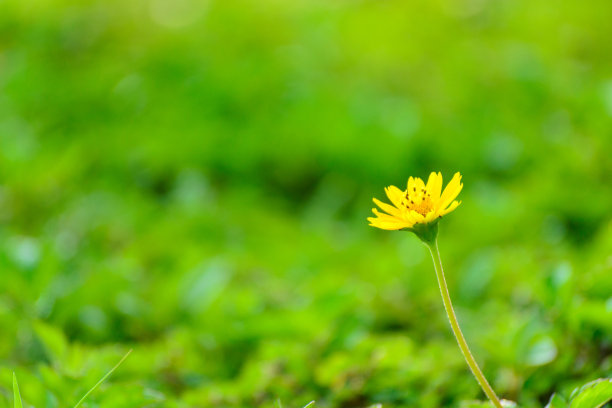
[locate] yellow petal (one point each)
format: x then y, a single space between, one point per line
388 208
417 217
415 184
410 183
419 184
384 216
432 215
395 195
451 191
387 225
450 208
434 186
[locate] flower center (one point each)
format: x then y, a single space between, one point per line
418 200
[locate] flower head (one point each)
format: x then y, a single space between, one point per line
419 205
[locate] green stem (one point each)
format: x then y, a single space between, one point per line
452 318
103 378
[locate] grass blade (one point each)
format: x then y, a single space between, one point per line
16 396
101 380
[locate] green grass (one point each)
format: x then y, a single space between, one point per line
192 183
17 403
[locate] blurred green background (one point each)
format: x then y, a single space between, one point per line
191 178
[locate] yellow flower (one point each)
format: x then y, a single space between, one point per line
418 205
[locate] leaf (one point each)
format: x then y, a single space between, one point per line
54 341
592 395
556 401
16 396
